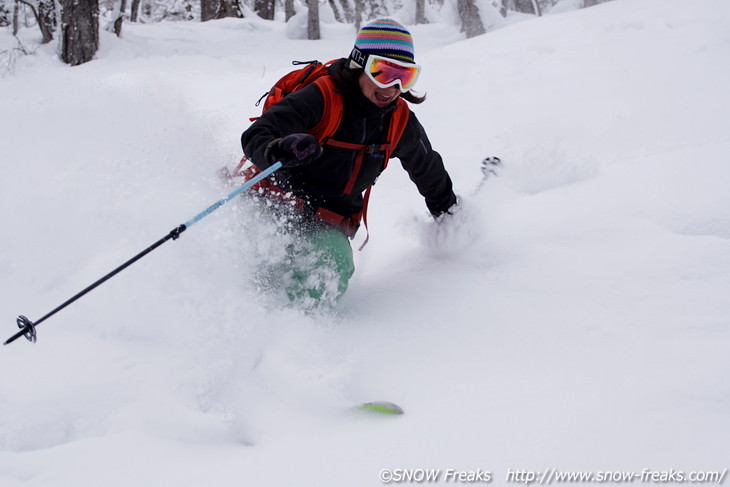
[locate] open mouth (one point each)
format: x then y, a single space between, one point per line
382 97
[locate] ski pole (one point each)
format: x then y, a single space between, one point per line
28 327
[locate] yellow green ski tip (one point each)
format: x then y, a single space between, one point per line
381 407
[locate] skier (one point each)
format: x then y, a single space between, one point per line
323 179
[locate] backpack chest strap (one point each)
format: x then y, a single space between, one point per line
369 149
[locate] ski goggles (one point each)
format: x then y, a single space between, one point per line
386 72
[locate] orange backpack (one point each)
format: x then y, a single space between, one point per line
316 72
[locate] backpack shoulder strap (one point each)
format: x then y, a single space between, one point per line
333 106
398 122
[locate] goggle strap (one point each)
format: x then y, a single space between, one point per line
358 57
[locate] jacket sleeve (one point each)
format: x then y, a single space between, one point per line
425 167
298 112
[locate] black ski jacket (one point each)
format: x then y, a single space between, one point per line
322 182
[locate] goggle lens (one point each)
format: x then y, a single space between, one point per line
386 72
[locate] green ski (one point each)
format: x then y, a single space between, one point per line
381 407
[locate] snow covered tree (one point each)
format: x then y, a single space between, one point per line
471 22
5 15
500 5
158 10
176 10
372 9
265 9
219 9
313 20
118 18
79 30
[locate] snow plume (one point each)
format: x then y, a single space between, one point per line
454 232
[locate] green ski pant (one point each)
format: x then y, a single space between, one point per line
320 266
308 261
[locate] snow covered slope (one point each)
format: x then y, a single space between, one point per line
575 316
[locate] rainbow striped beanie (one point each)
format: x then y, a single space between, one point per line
383 37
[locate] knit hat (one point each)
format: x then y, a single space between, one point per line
383 37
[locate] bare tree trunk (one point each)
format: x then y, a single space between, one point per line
288 9
219 9
342 10
471 22
209 10
421 12
79 30
536 7
358 14
134 14
265 9
47 19
313 20
525 6
335 10
16 18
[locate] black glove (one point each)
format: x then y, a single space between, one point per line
452 209
294 150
